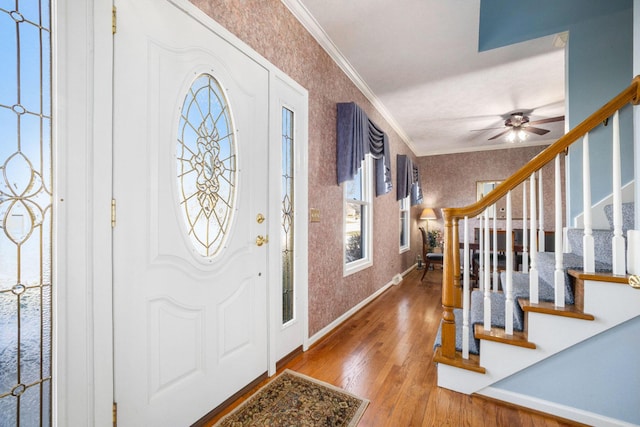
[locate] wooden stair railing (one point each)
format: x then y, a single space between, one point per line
451 288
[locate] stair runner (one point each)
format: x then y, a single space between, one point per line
520 291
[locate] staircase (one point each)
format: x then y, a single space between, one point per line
606 301
558 299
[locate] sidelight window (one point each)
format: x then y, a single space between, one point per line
26 189
287 233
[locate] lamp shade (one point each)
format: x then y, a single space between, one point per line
428 213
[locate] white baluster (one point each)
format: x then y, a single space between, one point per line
541 240
495 249
533 252
480 277
589 258
525 249
487 278
508 309
617 242
559 277
466 295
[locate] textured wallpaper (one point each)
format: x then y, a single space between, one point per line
450 180
270 29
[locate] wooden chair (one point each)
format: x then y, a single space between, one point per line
429 257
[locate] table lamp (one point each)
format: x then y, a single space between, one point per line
427 214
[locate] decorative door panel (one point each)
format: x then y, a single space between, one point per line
190 143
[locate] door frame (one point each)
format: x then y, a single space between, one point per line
82 104
295 98
82 254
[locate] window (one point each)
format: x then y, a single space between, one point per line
358 220
206 165
404 225
26 188
286 233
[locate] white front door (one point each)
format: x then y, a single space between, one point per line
190 178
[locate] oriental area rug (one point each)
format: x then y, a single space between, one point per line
293 399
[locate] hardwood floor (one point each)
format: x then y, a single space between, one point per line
383 353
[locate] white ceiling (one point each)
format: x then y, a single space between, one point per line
418 63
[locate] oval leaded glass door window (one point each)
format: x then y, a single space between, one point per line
206 160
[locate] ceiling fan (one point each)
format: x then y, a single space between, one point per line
518 124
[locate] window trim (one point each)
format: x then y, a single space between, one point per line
405 208
367 217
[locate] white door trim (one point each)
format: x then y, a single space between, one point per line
296 98
82 356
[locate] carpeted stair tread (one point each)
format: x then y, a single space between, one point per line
547 266
476 312
498 300
628 216
601 239
520 285
474 344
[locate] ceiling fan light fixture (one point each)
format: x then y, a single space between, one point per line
518 127
517 135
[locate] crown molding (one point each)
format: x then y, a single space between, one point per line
475 149
302 14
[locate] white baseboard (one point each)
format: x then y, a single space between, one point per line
553 408
410 269
331 326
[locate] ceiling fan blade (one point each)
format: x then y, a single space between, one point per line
500 134
537 131
485 129
549 120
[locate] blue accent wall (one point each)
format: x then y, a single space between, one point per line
588 376
599 66
503 22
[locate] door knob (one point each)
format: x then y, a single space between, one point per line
261 240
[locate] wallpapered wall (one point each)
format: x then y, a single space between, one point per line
270 29
449 180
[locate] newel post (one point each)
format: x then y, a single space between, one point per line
448 289
457 284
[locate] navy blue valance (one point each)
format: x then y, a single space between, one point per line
357 136
408 180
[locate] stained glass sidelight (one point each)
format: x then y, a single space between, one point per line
25 213
206 161
287 216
